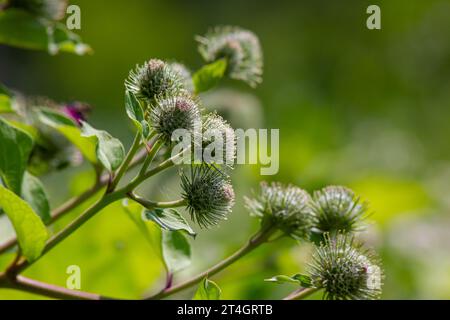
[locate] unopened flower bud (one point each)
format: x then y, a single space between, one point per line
345 270
185 75
240 47
337 209
286 206
208 193
153 79
174 112
219 141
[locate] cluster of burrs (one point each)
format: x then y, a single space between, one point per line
329 218
165 92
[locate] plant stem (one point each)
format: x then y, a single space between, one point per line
259 238
14 281
75 201
107 199
45 289
301 293
141 178
70 228
10 269
59 212
151 155
157 204
123 168
8 245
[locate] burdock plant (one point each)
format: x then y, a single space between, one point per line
215 128
345 270
208 194
172 112
286 207
154 79
337 209
162 98
342 269
241 49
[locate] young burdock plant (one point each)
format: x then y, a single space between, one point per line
162 98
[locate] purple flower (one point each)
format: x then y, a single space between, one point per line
77 111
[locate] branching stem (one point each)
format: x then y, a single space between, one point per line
141 178
45 289
301 294
157 204
254 242
76 201
123 168
151 155
107 199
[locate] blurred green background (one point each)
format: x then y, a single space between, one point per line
369 109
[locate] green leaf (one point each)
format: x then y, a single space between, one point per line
15 146
32 131
30 230
171 247
97 146
5 100
68 128
176 250
136 113
209 76
169 219
208 290
22 29
301 279
110 151
151 231
34 193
